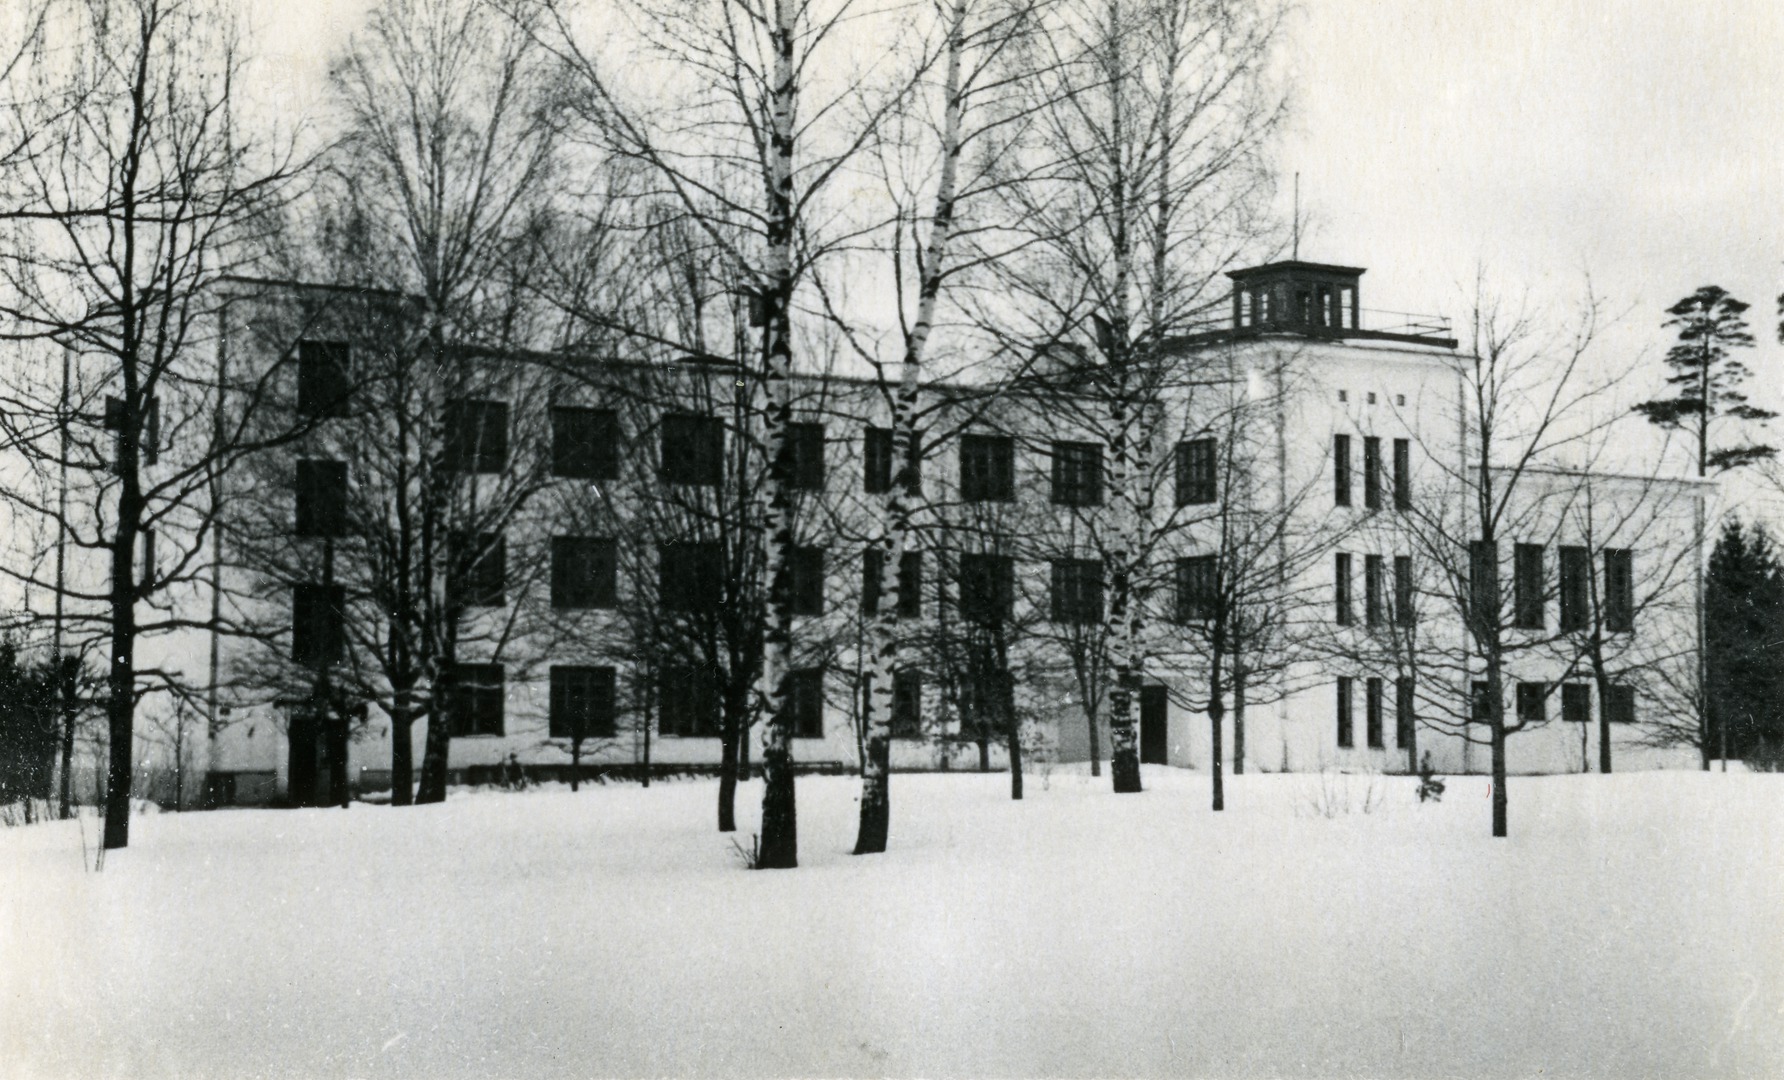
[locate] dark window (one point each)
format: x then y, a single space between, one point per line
987 587
1526 572
1341 470
1402 474
1374 587
877 455
1405 711
1483 581
1619 590
583 572
1195 472
693 449
1532 698
987 468
324 386
1576 703
688 702
907 704
584 443
1371 472
1405 612
802 456
1372 713
805 702
1619 703
1077 590
1345 706
805 580
477 569
1576 564
690 575
321 498
910 582
476 436
1481 696
1341 589
1078 473
317 624
1198 588
582 702
472 695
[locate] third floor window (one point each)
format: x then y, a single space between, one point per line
584 443
987 468
693 449
1078 473
1196 480
476 436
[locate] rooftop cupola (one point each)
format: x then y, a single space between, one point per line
1297 295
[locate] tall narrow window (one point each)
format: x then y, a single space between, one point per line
1198 588
1532 702
323 379
321 498
691 575
584 443
987 468
1341 470
805 702
476 569
693 450
1341 589
1402 474
317 624
805 580
907 704
1371 473
1345 705
1576 565
688 702
1077 474
910 582
987 588
1619 590
1526 572
802 456
581 704
1197 483
1077 591
1483 582
584 572
1405 611
877 459
476 436
1405 712
1481 702
1374 574
473 699
1619 704
1576 703
1372 702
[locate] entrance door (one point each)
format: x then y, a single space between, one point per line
1154 713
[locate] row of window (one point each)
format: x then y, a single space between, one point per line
1614 591
1373 487
1380 607
1531 698
584 705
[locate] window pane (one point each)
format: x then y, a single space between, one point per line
476 569
693 449
1371 472
323 378
582 702
584 443
583 572
317 616
1576 564
1402 474
476 436
1372 713
987 468
321 498
1077 590
986 587
1341 470
1195 466
1341 589
1527 587
1344 710
802 452
805 702
1077 474
1619 590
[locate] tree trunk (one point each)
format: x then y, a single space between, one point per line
402 753
728 745
984 751
1238 723
1216 721
1496 687
1015 743
434 757
121 679
68 684
1096 742
575 765
338 789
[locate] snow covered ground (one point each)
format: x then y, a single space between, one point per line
1631 927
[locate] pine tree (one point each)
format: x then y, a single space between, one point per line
1710 324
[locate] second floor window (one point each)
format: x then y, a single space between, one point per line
1532 702
987 588
907 704
693 450
1374 586
987 468
1195 468
321 498
476 436
477 569
584 443
1077 591
1402 474
910 582
1341 470
324 382
690 575
1077 474
582 702
1405 613
1371 473
805 702
1483 581
805 580
584 572
802 456
473 698
1576 566
1198 588
878 454
1341 589
317 624
1619 590
1526 573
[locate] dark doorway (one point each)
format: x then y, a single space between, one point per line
1153 716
